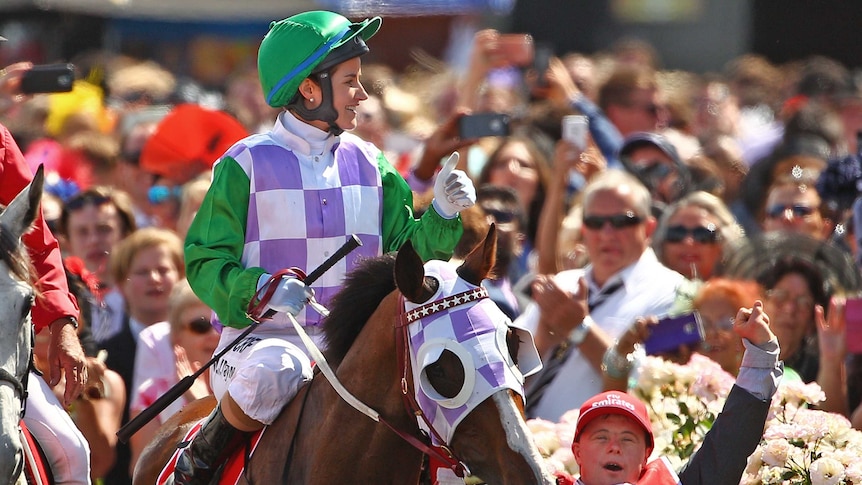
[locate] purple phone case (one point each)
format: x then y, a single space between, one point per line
670 333
853 321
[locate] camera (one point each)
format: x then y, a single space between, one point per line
672 332
483 124
515 50
574 130
853 320
541 63
48 78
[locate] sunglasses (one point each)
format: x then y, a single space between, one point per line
783 296
798 210
617 221
199 326
654 170
80 201
161 193
650 108
701 234
499 216
724 323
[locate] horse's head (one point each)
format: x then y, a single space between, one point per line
16 298
469 365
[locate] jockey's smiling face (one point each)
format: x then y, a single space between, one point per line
347 93
612 449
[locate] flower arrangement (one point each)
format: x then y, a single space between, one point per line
800 446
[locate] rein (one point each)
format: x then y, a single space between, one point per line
442 453
6 376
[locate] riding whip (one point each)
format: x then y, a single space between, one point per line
186 382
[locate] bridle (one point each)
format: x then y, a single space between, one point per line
444 452
20 385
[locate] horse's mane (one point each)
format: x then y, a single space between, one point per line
13 254
363 290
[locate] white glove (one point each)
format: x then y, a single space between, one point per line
290 296
453 190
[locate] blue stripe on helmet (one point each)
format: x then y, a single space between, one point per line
316 55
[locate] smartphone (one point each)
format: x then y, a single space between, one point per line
853 328
515 49
672 332
48 78
574 129
483 124
541 62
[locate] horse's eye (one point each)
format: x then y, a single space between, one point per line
446 375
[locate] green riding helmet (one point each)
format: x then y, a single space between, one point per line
304 44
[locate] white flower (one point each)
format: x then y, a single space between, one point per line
775 452
800 446
826 471
566 458
853 472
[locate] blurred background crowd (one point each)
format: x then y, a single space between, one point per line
752 165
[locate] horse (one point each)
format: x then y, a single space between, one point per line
319 439
16 299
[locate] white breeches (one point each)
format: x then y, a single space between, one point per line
66 448
261 373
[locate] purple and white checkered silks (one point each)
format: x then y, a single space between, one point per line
476 333
299 215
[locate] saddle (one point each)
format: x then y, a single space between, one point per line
36 468
234 468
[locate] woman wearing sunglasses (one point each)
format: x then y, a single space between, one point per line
692 234
182 345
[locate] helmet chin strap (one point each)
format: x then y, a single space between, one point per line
325 112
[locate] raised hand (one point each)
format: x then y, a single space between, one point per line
453 189
753 324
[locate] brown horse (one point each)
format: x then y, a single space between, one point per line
332 442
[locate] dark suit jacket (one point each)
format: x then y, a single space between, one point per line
734 436
121 350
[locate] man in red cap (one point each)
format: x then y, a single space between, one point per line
614 440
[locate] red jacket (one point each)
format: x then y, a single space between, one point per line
55 300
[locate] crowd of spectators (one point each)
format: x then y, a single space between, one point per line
681 172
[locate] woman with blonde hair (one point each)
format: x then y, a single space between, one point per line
693 233
182 345
146 266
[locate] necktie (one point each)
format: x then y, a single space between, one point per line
561 352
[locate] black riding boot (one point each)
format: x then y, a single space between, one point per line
208 450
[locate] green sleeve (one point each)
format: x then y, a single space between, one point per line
433 236
214 247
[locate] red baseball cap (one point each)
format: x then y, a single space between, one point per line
615 402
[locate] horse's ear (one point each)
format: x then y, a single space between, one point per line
410 275
21 212
478 264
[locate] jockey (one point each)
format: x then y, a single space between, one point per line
290 198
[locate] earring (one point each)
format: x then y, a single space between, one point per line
311 100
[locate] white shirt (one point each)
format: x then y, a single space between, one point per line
154 357
649 288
